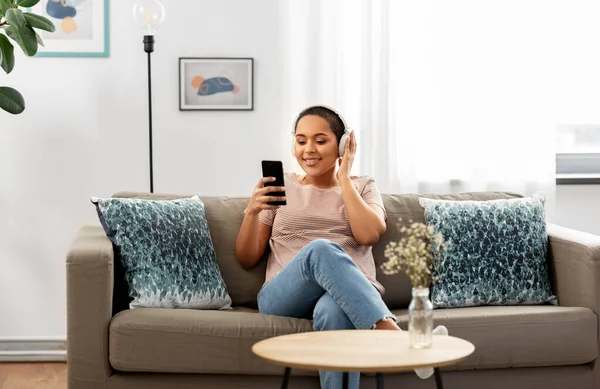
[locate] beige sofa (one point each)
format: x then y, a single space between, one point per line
110 346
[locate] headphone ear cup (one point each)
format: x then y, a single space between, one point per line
343 142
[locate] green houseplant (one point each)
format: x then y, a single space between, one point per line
18 26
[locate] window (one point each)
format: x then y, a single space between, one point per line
578 154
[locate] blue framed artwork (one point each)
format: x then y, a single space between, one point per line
208 84
82 28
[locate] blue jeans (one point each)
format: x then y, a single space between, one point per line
323 283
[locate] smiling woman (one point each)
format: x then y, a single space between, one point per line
320 265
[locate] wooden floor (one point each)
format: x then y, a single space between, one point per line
33 375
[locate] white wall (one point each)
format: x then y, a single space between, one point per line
84 133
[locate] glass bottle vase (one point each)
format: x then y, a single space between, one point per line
420 319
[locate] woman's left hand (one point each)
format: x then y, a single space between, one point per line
348 159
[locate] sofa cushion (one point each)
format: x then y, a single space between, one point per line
193 341
189 341
495 254
224 216
520 336
406 206
166 251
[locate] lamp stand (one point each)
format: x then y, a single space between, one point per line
149 48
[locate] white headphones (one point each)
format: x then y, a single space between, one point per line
343 139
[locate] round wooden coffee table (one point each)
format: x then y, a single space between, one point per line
367 351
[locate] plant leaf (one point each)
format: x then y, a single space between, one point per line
27 3
14 17
8 56
5 5
25 37
39 40
11 100
37 21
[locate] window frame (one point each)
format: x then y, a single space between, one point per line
578 168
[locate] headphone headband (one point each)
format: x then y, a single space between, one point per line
326 108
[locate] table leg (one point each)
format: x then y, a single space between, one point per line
379 381
286 378
438 379
345 380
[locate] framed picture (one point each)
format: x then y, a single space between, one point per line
82 28
207 84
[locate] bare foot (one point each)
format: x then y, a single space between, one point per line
387 325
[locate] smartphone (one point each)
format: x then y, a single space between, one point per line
274 169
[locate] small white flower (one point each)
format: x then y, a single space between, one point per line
417 252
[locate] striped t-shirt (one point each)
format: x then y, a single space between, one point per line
312 213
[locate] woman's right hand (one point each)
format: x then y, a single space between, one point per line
261 196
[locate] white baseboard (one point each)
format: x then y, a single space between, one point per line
33 350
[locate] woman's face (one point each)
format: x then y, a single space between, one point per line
315 146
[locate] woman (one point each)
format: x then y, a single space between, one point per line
320 266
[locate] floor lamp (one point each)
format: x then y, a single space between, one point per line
149 15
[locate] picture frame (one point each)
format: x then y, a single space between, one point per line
82 28
216 84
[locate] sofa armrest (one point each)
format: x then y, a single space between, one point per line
575 263
89 308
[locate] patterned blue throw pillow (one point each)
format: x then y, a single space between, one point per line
167 252
495 255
